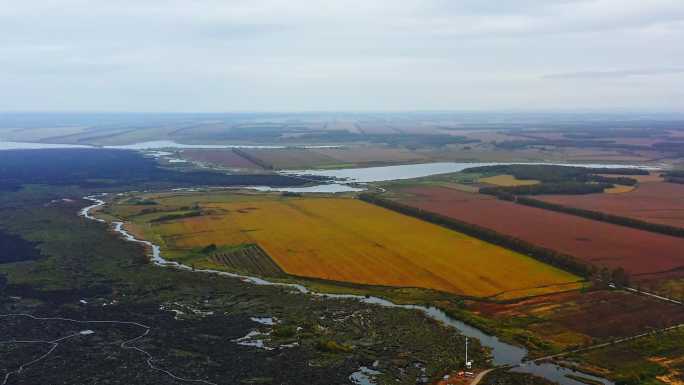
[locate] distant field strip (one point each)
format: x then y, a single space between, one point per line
348 240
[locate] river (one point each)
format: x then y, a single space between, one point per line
503 354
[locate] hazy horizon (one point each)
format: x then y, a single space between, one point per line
381 56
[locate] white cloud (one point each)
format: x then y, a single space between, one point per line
330 54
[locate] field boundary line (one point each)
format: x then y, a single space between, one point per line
600 216
606 344
653 295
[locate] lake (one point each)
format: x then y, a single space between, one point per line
410 171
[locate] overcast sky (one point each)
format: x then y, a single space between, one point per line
294 55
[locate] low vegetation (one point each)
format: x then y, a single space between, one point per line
501 377
557 179
581 318
651 360
84 261
349 241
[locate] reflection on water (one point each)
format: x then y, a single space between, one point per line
410 171
332 188
364 376
158 144
35 146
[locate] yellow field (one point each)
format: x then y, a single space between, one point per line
507 181
345 239
619 189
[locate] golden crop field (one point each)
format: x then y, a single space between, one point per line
344 239
619 189
507 181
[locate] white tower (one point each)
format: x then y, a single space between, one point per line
468 364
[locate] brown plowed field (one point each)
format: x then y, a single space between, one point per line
600 243
225 158
651 202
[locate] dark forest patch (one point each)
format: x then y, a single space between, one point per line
14 248
100 168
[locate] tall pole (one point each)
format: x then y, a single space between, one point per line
466 358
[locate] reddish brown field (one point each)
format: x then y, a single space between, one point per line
224 158
574 317
603 244
651 202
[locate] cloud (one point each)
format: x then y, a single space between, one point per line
616 73
217 55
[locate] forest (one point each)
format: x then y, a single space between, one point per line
100 168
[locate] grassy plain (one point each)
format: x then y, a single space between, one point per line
222 158
341 239
284 158
84 261
656 359
364 155
507 180
579 318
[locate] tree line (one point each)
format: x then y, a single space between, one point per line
552 172
674 177
603 217
566 262
557 179
253 159
548 256
570 188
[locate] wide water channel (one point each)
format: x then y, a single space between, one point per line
352 179
503 354
411 171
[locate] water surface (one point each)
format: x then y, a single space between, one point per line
411 171
5 145
332 188
160 144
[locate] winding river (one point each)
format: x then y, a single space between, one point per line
503 354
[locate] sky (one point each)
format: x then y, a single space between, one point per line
343 55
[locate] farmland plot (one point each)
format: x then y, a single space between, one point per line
349 240
603 244
223 157
654 202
